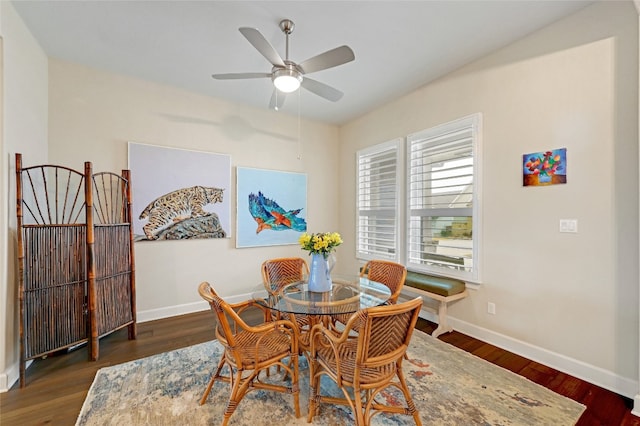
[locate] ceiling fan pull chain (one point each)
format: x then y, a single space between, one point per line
299 141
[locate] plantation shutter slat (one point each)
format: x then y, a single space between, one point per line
377 202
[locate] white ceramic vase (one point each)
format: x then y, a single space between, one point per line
320 273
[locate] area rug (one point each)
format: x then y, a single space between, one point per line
449 387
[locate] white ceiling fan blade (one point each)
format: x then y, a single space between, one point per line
322 89
262 45
277 99
242 75
329 59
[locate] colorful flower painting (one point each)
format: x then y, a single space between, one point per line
544 168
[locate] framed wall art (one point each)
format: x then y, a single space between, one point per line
271 207
179 194
544 168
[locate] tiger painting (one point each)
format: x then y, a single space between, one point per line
177 206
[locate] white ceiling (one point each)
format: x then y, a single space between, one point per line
399 45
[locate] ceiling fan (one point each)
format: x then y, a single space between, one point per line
288 76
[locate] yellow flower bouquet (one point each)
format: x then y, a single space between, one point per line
320 243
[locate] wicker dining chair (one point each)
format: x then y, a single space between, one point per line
368 363
276 274
391 274
249 350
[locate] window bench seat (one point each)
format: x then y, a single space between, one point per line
441 289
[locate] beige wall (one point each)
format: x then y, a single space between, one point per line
570 300
24 129
92 116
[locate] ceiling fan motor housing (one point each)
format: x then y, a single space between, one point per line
287 79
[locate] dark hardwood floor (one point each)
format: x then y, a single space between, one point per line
57 386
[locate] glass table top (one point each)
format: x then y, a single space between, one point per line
347 295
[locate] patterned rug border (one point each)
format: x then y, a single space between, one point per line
496 396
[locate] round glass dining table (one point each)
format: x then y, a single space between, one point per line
347 295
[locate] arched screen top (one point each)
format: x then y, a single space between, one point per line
51 195
110 198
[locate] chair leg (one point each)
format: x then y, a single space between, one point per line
214 376
357 407
238 390
314 383
407 396
294 384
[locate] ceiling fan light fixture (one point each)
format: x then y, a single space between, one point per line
287 80
287 76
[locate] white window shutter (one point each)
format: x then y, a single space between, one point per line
377 202
441 173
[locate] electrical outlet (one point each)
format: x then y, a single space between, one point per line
569 225
491 308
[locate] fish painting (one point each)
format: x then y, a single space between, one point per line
269 215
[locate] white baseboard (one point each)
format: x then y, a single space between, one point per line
636 406
592 374
429 315
10 376
188 308
4 382
170 311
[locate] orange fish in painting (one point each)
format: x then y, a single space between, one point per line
270 216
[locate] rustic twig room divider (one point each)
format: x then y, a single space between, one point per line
76 259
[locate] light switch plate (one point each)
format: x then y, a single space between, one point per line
569 225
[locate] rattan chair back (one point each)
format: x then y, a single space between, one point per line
388 273
228 320
384 332
276 273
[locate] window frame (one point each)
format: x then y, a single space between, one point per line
397 145
403 188
473 124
